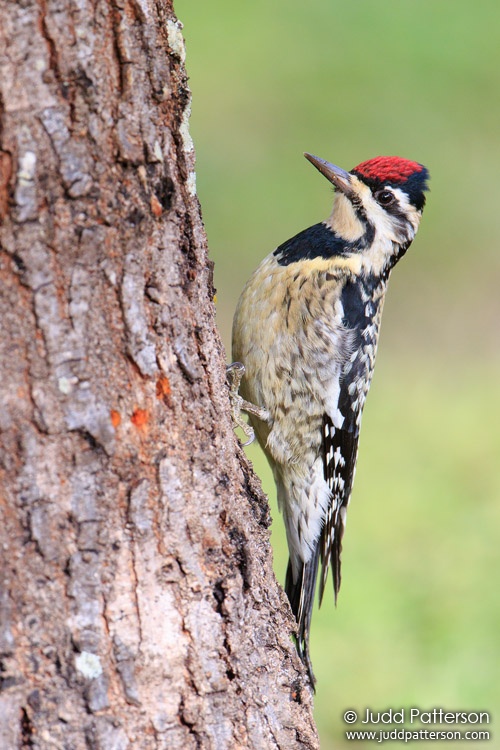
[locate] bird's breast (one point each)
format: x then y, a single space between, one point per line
290 335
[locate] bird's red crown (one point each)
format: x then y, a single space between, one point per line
388 169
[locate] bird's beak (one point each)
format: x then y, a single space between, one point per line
337 176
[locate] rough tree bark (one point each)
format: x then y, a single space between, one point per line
138 607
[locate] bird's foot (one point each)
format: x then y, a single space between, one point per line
234 374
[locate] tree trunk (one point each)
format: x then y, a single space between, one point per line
138 607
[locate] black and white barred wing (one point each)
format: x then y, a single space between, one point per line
340 447
342 420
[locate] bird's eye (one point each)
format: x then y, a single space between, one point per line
385 197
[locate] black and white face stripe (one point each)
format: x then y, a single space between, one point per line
414 186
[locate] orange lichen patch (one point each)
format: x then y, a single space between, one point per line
116 418
140 418
156 206
5 175
163 389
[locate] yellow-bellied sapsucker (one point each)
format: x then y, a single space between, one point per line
306 331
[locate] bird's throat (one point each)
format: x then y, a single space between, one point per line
345 221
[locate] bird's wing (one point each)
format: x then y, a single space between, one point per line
342 421
340 447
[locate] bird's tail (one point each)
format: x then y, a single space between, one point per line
330 545
300 594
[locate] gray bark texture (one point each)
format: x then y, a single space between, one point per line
138 607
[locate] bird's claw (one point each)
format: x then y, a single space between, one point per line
234 374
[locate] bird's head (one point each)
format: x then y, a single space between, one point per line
379 202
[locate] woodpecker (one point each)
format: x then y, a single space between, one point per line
305 336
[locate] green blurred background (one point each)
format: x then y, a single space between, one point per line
418 619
